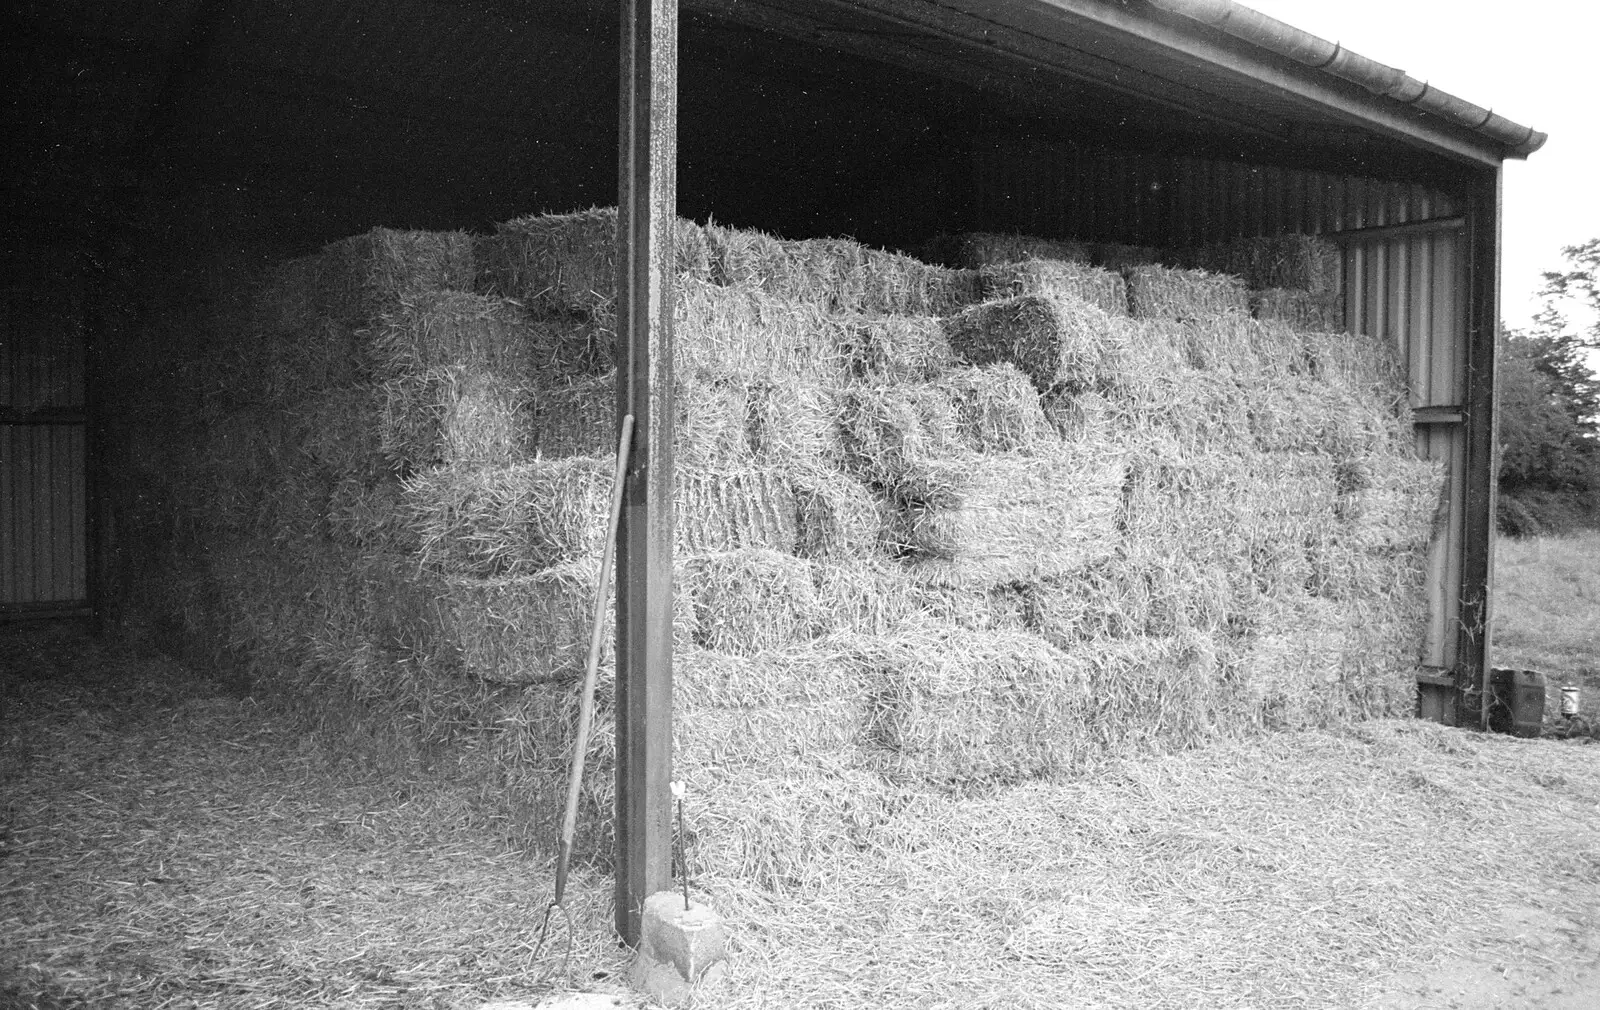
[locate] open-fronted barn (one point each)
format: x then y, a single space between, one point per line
1123 377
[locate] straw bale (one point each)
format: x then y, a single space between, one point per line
864 595
340 431
977 249
1001 518
370 513
895 348
837 516
1194 505
1392 499
352 281
579 418
1119 257
1185 295
1288 506
455 415
889 433
742 332
1302 310
1367 366
837 275
501 521
453 328
530 628
1077 415
1144 589
1104 289
1306 263
568 262
749 601
1051 340
707 680
998 409
1294 675
734 508
766 737
790 422
970 708
1302 414
784 830
1151 693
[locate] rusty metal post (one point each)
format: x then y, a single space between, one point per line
1475 653
646 217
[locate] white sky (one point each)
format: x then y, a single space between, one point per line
1534 62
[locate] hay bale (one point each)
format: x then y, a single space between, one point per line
453 328
791 422
568 262
504 521
991 519
1119 257
352 281
369 513
1312 415
511 520
526 629
579 418
890 433
978 249
728 509
726 332
1288 506
1053 341
1167 293
998 409
750 601
837 275
1368 367
1301 310
895 348
708 680
966 709
1152 694
1104 289
1306 263
1142 590
1391 500
837 517
340 432
455 416
786 829
761 738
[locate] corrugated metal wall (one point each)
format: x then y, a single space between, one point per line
1410 289
43 492
1169 201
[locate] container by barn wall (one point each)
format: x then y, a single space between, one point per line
43 488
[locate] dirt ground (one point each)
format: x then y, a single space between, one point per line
168 844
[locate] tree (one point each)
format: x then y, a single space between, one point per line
1550 407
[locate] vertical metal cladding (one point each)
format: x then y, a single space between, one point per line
43 546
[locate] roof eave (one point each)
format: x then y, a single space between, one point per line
1499 135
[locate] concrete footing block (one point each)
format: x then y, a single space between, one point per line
681 950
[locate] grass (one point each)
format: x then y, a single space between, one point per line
1547 614
169 844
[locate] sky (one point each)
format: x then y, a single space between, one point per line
1534 63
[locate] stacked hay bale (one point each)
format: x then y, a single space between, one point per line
938 528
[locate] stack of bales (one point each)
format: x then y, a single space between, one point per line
937 528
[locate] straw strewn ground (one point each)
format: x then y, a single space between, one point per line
168 843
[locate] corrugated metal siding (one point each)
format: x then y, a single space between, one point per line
43 491
1163 200
43 554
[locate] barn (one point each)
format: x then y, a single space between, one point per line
1132 359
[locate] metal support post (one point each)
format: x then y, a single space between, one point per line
646 219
